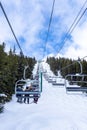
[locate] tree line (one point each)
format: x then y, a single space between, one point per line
66 65
11 70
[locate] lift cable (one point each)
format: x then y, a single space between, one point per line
78 20
70 29
74 24
13 33
11 27
49 27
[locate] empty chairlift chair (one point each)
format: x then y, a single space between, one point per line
76 83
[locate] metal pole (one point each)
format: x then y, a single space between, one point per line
80 66
24 72
41 81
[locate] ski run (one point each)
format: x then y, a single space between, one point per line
55 110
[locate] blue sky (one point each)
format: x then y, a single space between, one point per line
30 20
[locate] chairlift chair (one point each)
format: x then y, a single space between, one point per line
36 87
76 82
59 81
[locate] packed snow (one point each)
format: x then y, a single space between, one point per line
55 110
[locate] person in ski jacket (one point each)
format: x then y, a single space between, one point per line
26 98
19 96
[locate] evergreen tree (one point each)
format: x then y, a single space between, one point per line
11 70
66 65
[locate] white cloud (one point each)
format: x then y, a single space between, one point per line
30 18
78 47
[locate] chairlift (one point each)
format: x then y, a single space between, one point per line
21 85
59 81
56 80
50 79
76 82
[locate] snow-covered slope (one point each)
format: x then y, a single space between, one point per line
55 110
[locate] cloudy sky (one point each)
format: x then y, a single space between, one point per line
30 21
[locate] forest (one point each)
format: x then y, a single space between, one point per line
67 66
11 70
